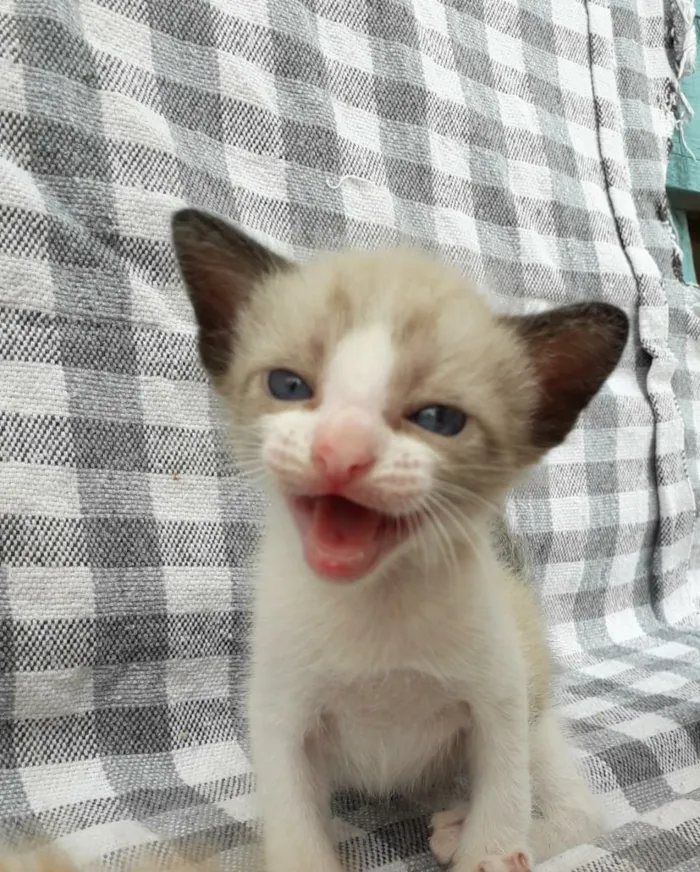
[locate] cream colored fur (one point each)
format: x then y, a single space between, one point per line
27 859
437 659
376 684
371 686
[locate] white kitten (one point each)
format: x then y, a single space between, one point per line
389 410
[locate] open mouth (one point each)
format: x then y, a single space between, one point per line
343 540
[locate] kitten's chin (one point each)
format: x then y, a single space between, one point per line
344 541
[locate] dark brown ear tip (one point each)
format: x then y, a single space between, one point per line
184 216
190 228
610 311
609 319
616 319
190 221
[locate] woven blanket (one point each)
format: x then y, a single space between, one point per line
526 141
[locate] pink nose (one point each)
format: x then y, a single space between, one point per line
345 446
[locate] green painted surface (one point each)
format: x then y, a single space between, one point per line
680 223
683 177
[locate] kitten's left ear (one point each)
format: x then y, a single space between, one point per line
221 267
572 350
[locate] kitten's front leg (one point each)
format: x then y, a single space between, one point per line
293 797
494 837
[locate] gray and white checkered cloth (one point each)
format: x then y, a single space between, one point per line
524 139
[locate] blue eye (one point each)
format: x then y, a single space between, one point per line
443 420
286 385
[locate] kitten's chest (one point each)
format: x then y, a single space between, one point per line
381 733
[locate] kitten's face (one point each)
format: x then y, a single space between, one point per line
382 398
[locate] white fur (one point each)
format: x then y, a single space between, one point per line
360 369
356 383
365 684
399 482
569 815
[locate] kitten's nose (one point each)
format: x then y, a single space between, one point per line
345 446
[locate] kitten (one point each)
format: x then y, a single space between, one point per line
388 410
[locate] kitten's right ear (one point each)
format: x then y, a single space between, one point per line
221 267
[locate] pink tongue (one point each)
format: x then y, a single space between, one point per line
342 540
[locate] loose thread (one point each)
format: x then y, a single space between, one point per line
684 111
336 183
687 148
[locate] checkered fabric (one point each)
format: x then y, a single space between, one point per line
525 140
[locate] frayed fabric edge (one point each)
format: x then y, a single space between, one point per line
682 37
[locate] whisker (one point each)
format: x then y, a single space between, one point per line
458 489
445 541
463 525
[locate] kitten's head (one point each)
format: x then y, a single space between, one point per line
381 396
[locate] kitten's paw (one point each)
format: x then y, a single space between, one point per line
446 829
516 862
444 843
